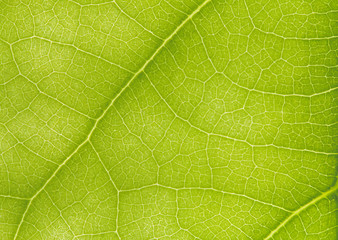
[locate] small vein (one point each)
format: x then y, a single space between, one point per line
14 197
208 189
72 45
295 38
121 10
18 142
57 100
104 166
278 94
138 23
95 234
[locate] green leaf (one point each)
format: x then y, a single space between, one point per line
168 119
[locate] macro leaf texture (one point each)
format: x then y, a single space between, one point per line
168 119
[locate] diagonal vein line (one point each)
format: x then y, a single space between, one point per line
137 22
299 210
110 104
14 197
121 10
208 189
69 45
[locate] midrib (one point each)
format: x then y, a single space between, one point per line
164 43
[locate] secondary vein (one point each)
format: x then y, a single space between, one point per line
299 210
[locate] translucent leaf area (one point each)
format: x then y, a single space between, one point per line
168 119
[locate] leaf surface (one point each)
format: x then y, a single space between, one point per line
194 119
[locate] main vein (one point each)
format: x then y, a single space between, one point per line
109 106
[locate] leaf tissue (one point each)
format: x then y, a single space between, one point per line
168 119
